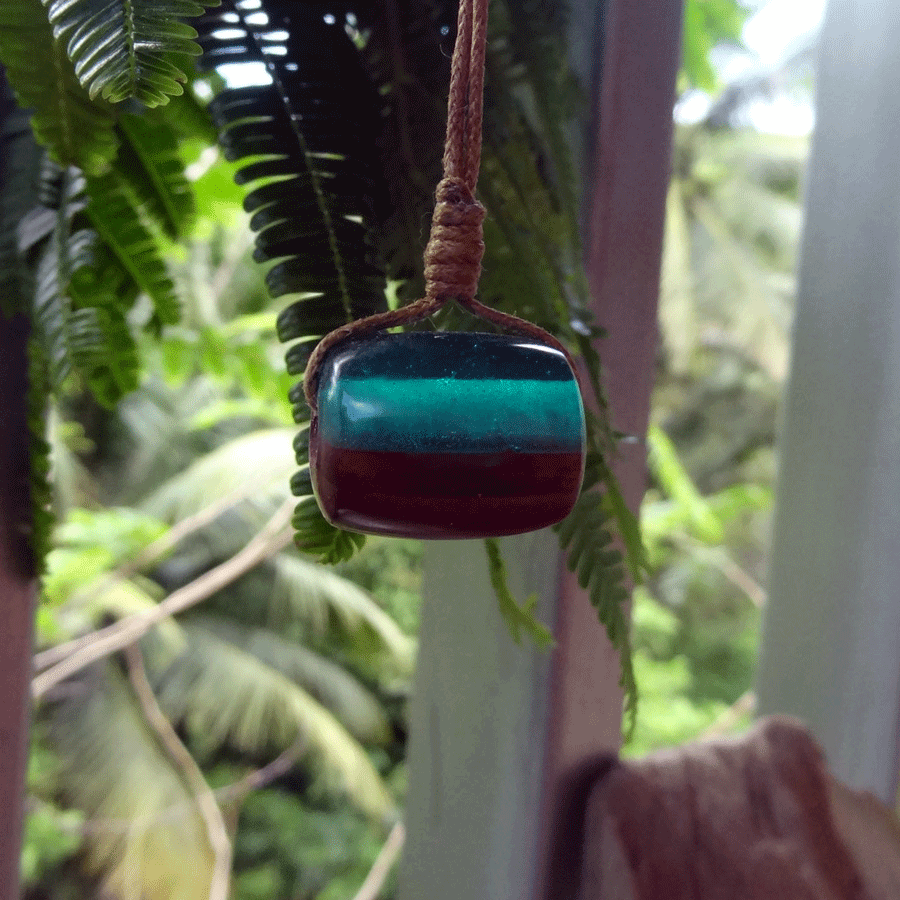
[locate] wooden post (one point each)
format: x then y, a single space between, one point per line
831 643
17 566
503 737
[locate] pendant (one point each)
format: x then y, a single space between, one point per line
446 435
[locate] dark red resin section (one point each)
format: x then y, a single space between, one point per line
465 495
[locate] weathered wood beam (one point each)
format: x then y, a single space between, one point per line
17 593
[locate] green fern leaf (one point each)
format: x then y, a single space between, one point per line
103 350
518 618
149 158
308 138
585 536
52 315
45 233
77 131
319 538
120 220
127 48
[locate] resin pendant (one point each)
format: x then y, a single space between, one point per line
446 435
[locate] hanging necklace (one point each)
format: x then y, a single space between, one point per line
447 434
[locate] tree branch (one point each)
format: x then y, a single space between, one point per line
383 864
216 831
152 552
274 537
259 778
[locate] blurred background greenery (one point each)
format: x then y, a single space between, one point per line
289 684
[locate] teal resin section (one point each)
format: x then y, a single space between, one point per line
470 394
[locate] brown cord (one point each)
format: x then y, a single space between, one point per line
455 245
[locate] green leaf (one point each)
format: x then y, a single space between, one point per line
518 618
116 772
120 220
355 707
677 484
338 613
706 24
52 307
225 695
127 48
78 131
307 143
102 346
21 165
588 542
45 231
150 160
223 473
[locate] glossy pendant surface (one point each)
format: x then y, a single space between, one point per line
447 435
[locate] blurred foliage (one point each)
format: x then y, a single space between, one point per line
733 223
52 834
288 649
707 24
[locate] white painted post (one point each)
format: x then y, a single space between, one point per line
479 720
831 644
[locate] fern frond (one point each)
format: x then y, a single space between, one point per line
587 538
52 314
117 216
45 236
308 140
124 49
21 162
22 158
149 158
407 55
77 131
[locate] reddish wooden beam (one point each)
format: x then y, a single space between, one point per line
17 591
632 132
17 564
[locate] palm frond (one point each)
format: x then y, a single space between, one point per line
142 831
127 48
225 695
355 707
340 614
78 131
255 465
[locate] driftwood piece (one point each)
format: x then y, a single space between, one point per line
758 818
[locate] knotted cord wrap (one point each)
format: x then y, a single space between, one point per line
456 244
454 251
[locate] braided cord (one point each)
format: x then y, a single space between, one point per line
456 243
